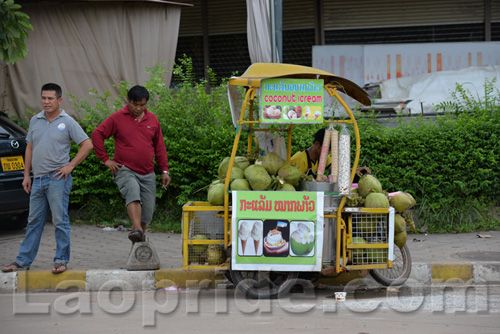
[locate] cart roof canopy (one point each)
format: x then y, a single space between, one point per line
259 71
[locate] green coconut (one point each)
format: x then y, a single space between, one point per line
368 184
399 223
216 194
358 253
258 177
196 252
218 181
237 173
249 170
402 202
298 247
240 162
216 254
272 162
240 184
287 187
290 174
400 239
222 171
376 200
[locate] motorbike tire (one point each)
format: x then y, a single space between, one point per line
264 284
400 271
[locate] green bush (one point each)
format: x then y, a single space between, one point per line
450 163
198 132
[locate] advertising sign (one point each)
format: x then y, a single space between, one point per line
277 231
292 101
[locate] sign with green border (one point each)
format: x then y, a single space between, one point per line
292 101
277 230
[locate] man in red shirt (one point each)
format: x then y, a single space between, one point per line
138 140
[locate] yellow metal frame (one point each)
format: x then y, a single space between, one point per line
347 237
251 80
187 215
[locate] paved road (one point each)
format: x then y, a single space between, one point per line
217 310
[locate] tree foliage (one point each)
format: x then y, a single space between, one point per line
13 33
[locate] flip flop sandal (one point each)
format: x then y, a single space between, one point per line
18 267
135 236
58 265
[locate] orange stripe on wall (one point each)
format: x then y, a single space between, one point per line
429 63
479 59
388 66
398 66
439 62
469 59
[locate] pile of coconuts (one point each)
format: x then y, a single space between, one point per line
202 253
369 194
270 172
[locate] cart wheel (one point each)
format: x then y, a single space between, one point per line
264 284
400 271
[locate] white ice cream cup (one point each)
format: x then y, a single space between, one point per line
340 296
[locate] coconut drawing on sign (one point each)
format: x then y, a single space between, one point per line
271 112
302 239
292 112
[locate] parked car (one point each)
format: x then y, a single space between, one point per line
14 201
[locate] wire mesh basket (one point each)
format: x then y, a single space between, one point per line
370 232
203 226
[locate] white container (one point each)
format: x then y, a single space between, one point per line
340 296
344 162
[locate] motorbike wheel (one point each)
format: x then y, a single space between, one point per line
264 284
400 271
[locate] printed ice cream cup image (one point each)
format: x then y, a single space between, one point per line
244 233
257 235
302 240
307 112
340 296
274 239
317 114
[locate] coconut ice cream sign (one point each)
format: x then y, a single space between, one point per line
277 231
292 101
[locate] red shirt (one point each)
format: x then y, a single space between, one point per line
136 143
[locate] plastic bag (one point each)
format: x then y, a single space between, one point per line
344 161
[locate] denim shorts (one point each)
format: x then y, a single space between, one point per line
135 187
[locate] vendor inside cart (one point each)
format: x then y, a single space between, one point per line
307 160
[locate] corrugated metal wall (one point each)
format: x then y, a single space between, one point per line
350 22
224 16
384 13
